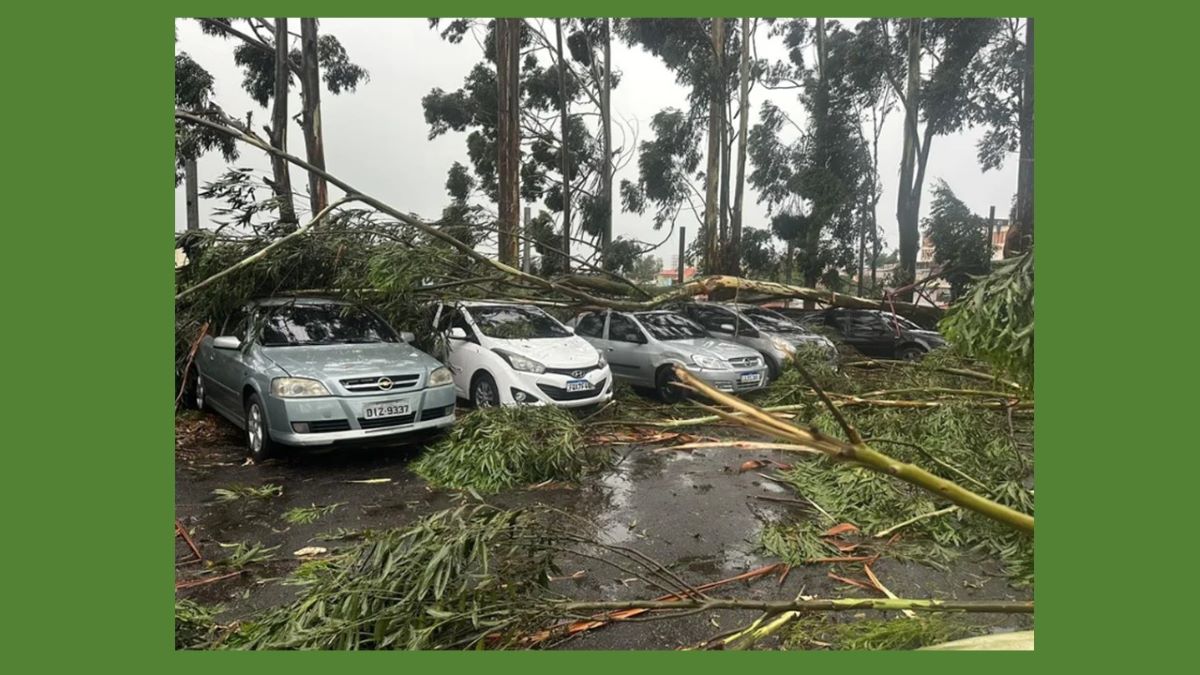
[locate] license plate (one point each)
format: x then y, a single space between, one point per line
388 409
578 385
751 377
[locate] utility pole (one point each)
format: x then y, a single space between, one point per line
680 265
526 263
193 195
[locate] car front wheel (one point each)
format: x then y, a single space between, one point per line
910 353
667 391
484 393
258 437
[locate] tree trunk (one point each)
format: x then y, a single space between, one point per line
606 185
908 192
735 267
508 132
310 88
723 97
191 187
862 245
713 168
787 263
1023 227
564 151
278 131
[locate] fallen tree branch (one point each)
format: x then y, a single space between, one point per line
916 519
849 400
262 253
834 605
881 363
866 456
939 390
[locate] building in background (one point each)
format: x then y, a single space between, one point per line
939 289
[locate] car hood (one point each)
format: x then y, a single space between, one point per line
376 358
711 347
565 352
797 339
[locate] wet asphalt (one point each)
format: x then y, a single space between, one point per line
696 513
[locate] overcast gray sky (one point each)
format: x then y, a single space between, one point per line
377 139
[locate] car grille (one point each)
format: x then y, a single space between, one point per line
746 362
327 426
384 422
560 394
435 413
576 373
371 384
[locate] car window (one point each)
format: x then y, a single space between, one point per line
510 322
236 324
670 326
866 323
622 329
313 324
772 321
591 325
712 318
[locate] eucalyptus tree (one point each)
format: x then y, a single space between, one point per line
897 50
551 100
962 249
194 89
815 177
269 61
706 57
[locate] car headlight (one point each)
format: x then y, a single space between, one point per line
521 363
297 387
709 362
783 346
603 361
440 375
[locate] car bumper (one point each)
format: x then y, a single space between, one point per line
733 381
550 389
339 419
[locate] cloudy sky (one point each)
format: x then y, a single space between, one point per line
377 139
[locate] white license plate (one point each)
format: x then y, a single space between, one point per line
388 409
578 385
751 377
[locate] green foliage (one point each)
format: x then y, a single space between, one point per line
243 554
447 581
302 515
994 322
492 449
194 91
194 624
959 237
818 632
794 543
237 492
666 164
626 257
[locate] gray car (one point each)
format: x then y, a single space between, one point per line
315 371
770 333
642 347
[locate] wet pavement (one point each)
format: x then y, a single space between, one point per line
694 512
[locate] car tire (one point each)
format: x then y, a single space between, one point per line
663 387
773 368
197 398
484 393
258 434
910 353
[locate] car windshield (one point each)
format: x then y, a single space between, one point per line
666 326
312 324
516 323
772 321
903 322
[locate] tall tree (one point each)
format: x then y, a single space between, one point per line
319 58
606 189
743 125
194 92
1025 170
712 173
282 183
962 249
508 145
565 150
310 89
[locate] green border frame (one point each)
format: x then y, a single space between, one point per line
85 257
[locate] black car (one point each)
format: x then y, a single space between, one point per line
872 332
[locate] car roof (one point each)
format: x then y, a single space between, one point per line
298 300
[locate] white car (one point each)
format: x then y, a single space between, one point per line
505 353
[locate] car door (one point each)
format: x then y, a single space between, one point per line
867 332
222 369
463 354
625 354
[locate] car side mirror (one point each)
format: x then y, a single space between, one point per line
227 342
407 336
457 333
727 327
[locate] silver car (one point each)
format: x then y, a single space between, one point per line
770 333
642 347
314 371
